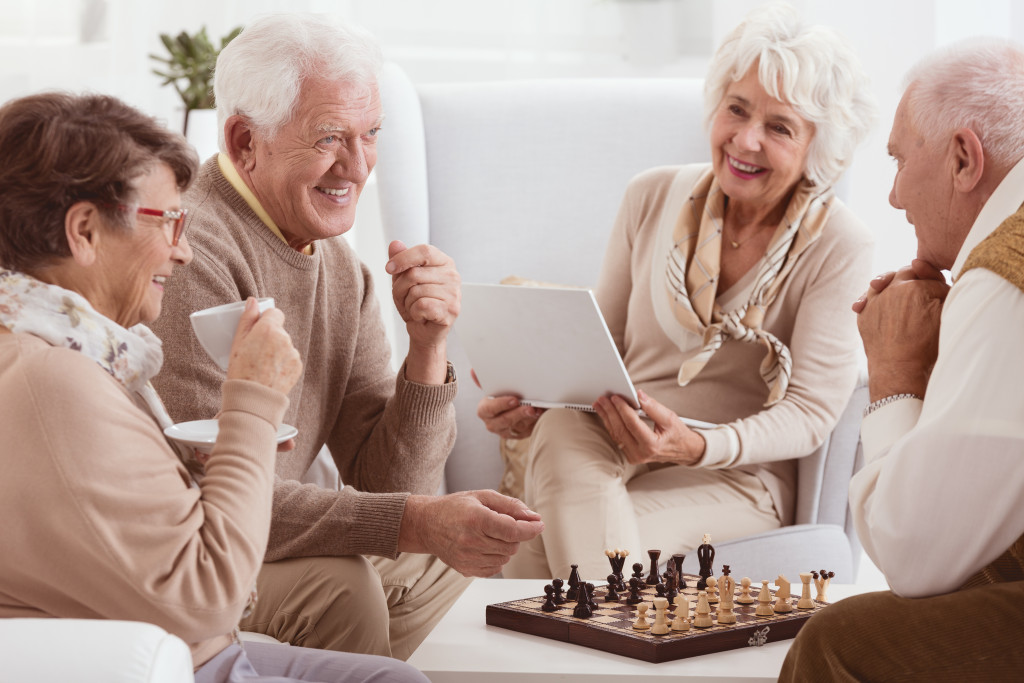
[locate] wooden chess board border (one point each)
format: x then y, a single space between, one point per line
525 616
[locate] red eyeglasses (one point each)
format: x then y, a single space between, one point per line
175 220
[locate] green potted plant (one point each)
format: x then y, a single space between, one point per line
189 67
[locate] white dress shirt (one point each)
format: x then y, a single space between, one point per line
940 495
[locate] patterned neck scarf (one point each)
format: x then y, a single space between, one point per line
693 268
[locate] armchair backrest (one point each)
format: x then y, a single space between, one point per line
521 178
525 178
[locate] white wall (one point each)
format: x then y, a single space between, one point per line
102 45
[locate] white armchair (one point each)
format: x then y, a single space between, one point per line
91 651
524 178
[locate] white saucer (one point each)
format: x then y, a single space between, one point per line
203 433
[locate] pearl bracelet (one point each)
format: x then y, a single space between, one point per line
875 405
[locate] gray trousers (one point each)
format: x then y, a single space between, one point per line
270 663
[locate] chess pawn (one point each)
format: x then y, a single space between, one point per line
744 598
682 620
641 619
764 601
549 604
702 613
634 591
660 626
712 590
558 598
611 595
805 601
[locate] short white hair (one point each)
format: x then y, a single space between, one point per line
260 73
976 83
809 67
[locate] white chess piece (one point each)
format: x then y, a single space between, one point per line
660 627
712 590
641 621
727 584
782 604
764 601
682 619
745 598
805 601
702 614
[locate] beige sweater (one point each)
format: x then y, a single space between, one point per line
811 315
100 518
388 436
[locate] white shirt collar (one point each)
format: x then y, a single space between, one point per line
1004 202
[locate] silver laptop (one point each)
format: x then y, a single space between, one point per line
549 346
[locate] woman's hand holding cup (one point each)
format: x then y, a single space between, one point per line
262 351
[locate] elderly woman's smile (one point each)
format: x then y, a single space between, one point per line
128 285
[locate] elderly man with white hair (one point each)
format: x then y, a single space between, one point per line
300 114
938 502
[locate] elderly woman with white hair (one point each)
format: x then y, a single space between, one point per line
726 288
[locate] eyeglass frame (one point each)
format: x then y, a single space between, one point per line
176 215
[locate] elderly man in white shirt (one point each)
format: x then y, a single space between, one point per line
937 504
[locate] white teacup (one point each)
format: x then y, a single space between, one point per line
215 327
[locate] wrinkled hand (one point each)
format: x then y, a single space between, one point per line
505 416
670 440
917 270
262 351
899 326
473 532
425 289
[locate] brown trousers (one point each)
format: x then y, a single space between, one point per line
976 634
354 604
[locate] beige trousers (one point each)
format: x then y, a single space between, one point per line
591 499
969 635
354 604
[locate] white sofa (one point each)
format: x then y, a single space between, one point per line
91 651
524 178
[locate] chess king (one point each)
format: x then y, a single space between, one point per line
937 504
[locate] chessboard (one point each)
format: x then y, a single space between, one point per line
611 627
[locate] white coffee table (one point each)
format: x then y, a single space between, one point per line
464 649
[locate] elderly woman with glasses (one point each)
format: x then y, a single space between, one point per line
104 517
726 288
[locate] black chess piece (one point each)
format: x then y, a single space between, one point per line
669 592
634 591
653 577
574 581
589 587
638 571
706 558
549 604
583 609
618 562
558 598
611 595
677 560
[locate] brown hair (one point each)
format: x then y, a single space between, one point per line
57 149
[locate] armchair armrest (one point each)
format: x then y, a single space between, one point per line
91 651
